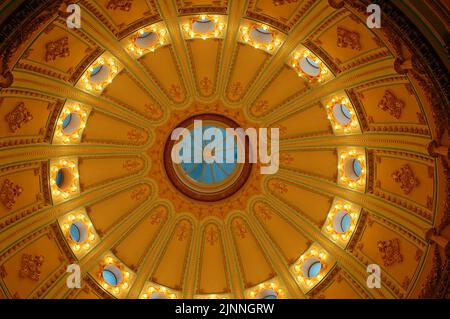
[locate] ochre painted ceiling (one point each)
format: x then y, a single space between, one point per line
110 153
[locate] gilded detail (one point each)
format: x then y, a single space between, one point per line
205 85
236 90
139 193
391 104
348 39
9 193
31 266
239 229
124 5
183 231
131 164
390 251
405 176
18 117
58 48
283 2
212 235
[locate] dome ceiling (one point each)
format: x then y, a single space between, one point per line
86 175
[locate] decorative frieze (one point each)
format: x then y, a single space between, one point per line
9 193
31 266
348 39
405 176
58 48
391 104
18 117
390 251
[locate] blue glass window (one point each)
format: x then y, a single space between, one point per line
314 269
203 20
144 34
66 121
75 233
345 223
262 30
342 221
110 277
59 179
96 70
312 63
357 167
309 66
345 111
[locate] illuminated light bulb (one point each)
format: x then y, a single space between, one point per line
125 285
91 237
145 296
87 246
116 290
109 260
76 247
66 226
105 285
